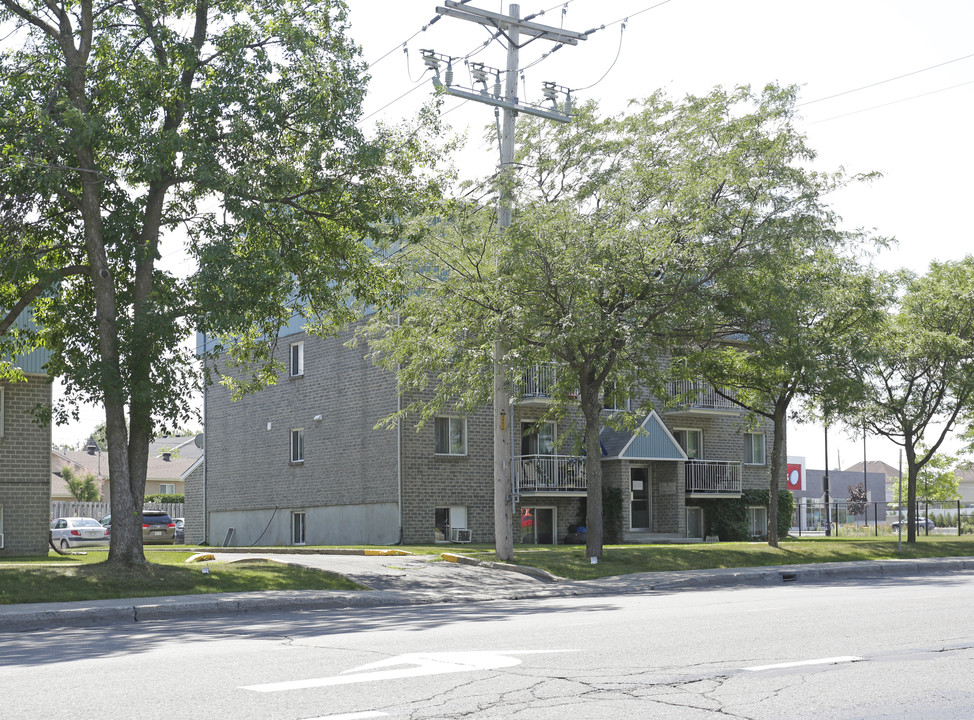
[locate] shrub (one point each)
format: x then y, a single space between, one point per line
166 498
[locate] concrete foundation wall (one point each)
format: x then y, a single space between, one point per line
376 524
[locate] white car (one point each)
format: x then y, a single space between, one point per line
74 532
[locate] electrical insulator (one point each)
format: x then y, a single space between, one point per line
449 72
549 92
497 85
568 103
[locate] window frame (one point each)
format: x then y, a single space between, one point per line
686 432
295 362
536 437
749 439
301 518
752 512
296 438
448 451
164 491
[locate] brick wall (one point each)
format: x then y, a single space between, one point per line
346 461
25 469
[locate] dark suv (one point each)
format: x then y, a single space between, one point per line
157 527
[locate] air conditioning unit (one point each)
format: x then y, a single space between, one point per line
460 535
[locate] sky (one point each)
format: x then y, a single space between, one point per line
885 85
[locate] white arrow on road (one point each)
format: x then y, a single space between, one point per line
416 665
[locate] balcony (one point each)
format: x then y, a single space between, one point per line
536 386
713 478
550 474
698 396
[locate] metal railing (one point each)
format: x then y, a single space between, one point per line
538 382
714 477
550 473
842 518
698 395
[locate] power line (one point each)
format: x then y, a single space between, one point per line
882 82
894 102
420 84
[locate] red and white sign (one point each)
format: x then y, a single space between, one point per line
796 474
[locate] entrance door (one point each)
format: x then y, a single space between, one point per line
639 502
538 526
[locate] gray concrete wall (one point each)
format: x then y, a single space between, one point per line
25 469
372 524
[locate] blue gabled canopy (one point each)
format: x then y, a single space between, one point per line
651 441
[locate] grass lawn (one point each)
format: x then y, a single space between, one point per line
569 561
84 577
58 578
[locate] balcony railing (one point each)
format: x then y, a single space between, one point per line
538 383
550 473
712 477
698 395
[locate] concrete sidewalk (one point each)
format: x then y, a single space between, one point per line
416 580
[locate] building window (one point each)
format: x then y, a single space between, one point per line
616 398
451 436
445 519
297 445
758 521
296 362
754 449
691 441
167 488
537 439
299 524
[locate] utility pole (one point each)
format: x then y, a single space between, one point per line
511 27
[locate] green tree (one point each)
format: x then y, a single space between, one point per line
921 382
936 481
85 487
620 228
229 126
792 324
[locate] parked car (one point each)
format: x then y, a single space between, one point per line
72 532
180 530
157 527
921 522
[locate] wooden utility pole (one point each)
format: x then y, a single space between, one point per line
511 27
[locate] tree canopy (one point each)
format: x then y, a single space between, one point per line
127 125
621 228
792 324
919 384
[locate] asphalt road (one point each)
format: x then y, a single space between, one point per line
898 647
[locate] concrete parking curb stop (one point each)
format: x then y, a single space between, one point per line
465 590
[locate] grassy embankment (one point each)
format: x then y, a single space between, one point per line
59 578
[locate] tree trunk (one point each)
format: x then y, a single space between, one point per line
589 398
777 470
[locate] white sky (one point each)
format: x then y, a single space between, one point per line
916 130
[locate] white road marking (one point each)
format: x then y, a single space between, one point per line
801 663
353 716
418 665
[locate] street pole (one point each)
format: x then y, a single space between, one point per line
511 26
828 507
503 476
